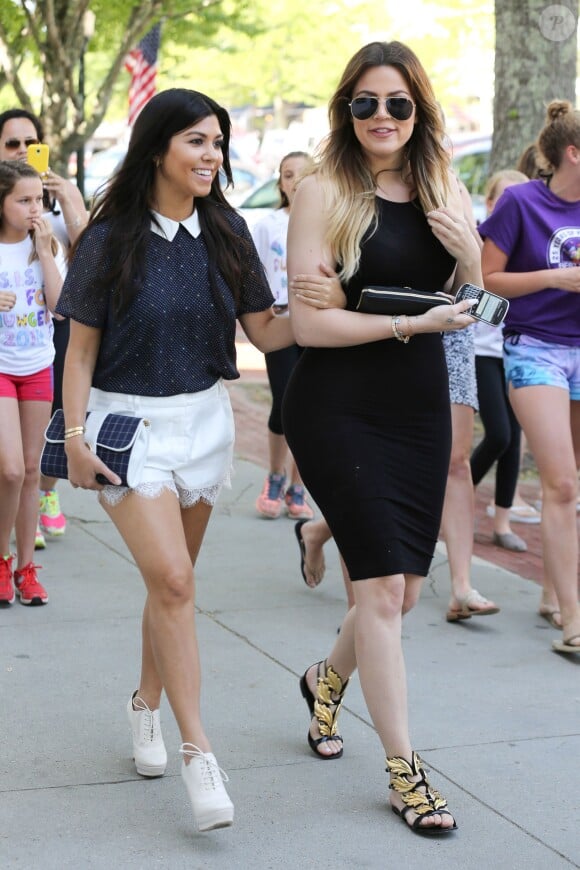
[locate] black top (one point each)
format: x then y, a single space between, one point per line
174 338
392 254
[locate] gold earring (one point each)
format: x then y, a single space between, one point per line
157 162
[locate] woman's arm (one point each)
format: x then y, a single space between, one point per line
334 327
81 356
451 227
266 331
51 274
71 202
514 284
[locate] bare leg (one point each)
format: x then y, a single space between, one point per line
459 509
347 584
164 540
34 417
552 425
11 469
278 450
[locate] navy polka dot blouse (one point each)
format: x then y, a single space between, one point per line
174 338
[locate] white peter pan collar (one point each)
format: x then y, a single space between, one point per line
168 228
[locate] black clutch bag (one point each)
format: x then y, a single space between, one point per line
119 440
398 300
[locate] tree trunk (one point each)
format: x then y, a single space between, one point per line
535 62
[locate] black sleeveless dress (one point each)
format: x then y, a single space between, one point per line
369 425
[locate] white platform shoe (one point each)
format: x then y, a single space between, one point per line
148 748
204 781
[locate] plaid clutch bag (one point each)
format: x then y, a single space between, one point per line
398 300
120 441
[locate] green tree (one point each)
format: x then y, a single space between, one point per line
535 62
41 45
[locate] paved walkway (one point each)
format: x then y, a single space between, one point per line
494 711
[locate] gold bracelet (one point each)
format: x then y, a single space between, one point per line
73 432
397 332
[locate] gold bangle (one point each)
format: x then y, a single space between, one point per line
73 432
397 332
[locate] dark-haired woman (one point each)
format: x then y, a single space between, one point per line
531 255
366 411
155 285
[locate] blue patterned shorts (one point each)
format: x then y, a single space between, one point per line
530 362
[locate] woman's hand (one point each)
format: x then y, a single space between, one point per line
454 233
319 291
440 318
566 279
7 300
84 465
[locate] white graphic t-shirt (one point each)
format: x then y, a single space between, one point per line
26 330
270 239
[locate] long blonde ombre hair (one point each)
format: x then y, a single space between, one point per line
348 184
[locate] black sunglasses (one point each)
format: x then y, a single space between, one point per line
13 144
399 108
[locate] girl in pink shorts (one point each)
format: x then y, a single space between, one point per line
32 266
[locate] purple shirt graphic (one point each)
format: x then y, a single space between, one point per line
538 230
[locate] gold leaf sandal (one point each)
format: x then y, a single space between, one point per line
424 803
324 707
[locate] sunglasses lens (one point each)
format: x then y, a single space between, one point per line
399 108
364 107
13 144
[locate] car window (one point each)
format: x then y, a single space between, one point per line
473 170
266 196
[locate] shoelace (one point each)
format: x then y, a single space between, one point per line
151 724
27 579
6 569
297 495
210 769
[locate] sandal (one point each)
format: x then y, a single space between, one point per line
325 707
467 607
424 803
566 646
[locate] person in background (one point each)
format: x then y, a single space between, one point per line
269 237
33 266
531 255
155 285
366 410
65 210
501 438
458 519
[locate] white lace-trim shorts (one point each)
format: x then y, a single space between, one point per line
191 444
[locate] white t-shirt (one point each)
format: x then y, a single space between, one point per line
269 237
488 340
26 330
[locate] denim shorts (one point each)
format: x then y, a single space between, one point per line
191 443
530 362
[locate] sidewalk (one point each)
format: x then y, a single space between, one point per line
494 711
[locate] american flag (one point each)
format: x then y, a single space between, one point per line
142 64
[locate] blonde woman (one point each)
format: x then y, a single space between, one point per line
366 412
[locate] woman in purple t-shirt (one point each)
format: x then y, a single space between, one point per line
531 255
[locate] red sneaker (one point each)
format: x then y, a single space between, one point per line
29 590
6 584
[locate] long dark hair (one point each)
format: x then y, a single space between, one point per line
126 201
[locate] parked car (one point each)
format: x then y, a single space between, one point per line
470 160
260 202
103 164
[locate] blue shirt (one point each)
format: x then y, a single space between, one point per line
174 337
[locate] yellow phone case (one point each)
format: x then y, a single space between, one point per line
37 156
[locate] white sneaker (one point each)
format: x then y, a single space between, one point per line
204 781
148 748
